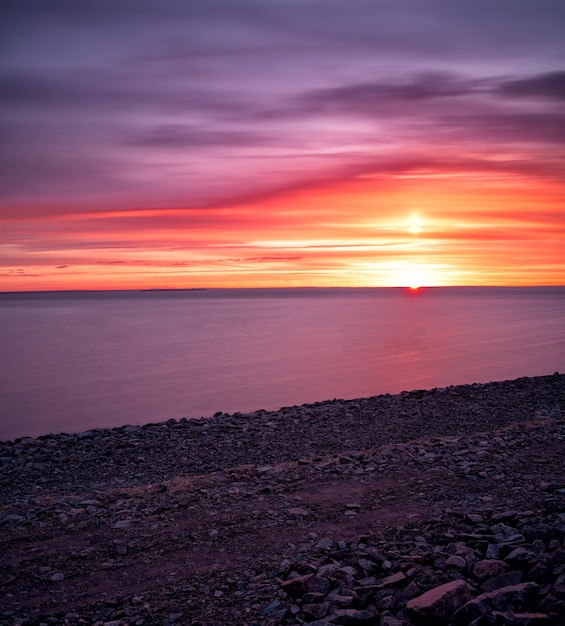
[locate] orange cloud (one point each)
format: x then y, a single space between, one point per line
356 232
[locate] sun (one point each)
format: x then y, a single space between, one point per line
415 224
416 275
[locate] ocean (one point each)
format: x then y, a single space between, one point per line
74 361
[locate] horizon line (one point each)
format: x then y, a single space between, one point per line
303 287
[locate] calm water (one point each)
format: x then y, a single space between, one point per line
75 361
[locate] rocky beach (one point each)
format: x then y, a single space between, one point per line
444 506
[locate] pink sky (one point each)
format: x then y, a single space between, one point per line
256 144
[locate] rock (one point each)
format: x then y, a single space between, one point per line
519 556
503 516
316 610
488 568
272 608
313 597
456 562
343 601
392 580
513 577
368 565
318 584
299 512
540 573
389 620
12 519
438 605
354 617
514 598
493 551
122 523
557 557
327 570
509 618
57 577
515 538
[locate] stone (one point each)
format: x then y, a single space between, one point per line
353 617
12 519
456 562
327 570
298 512
390 620
540 573
272 608
368 565
487 568
557 557
503 516
513 598
316 610
313 596
519 556
392 580
438 605
122 523
509 618
513 577
318 584
514 539
90 503
492 551
343 601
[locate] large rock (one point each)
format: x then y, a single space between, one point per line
437 605
488 568
513 598
513 577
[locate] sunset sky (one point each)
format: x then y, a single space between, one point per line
258 143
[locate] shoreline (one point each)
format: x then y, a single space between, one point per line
365 504
296 410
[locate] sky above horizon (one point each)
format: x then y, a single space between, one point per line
259 143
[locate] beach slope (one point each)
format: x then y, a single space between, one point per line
444 506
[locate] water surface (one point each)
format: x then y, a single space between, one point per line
71 361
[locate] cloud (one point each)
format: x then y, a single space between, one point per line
180 136
365 97
501 128
116 90
550 86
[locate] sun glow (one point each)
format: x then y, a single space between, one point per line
417 275
415 224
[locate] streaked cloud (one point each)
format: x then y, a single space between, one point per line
170 137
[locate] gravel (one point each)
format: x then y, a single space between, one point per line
391 510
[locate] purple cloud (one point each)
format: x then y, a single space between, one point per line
550 86
181 103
